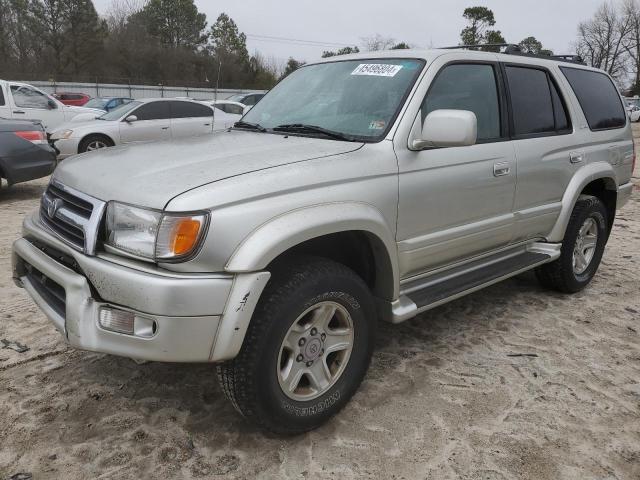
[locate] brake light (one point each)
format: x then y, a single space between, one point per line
34 136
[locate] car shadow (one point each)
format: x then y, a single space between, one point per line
21 191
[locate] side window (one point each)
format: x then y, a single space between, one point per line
152 111
470 87
1 96
189 110
27 97
598 97
535 102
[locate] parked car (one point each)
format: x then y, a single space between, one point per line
376 186
77 99
248 99
233 108
24 152
136 121
108 103
25 102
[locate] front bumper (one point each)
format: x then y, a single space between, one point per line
188 309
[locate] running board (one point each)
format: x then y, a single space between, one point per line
423 294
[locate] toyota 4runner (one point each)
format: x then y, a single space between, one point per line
374 186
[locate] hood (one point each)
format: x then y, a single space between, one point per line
151 174
71 111
87 117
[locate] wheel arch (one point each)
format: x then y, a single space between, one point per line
597 179
354 234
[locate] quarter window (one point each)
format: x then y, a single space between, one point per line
1 97
470 87
153 111
535 102
598 97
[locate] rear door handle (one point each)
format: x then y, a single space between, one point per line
18 111
501 169
576 157
165 128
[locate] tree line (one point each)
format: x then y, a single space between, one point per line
169 42
154 42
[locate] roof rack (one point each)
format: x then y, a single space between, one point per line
513 49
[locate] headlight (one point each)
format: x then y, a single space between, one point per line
154 235
63 134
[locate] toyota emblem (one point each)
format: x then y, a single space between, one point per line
53 207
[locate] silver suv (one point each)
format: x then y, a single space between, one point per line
375 186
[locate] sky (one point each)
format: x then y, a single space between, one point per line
421 23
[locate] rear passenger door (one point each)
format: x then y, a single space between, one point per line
153 123
190 119
547 147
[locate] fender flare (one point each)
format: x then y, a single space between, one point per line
281 233
583 177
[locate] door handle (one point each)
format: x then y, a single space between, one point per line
501 169
207 124
18 111
576 157
165 128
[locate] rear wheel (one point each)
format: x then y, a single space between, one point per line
582 248
94 142
307 348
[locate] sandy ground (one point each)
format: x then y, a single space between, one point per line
444 397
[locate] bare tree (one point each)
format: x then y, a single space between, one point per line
377 42
602 39
631 9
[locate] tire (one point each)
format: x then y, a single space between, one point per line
252 381
562 275
92 141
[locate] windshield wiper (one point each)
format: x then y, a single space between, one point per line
303 127
252 126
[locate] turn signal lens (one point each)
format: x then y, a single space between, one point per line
179 236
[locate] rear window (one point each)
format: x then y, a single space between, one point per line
598 97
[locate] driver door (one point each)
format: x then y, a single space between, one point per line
153 123
457 202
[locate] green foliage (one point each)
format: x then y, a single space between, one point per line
342 51
292 66
176 23
401 46
226 39
479 19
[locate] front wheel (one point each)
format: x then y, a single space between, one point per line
582 248
94 142
307 348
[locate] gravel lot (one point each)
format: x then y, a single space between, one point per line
444 398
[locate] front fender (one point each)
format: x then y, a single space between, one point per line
292 228
584 176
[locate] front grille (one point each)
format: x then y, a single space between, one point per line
52 293
73 216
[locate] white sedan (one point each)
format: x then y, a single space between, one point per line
139 121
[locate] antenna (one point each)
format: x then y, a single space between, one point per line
215 92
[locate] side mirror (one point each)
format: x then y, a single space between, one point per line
447 128
52 104
131 119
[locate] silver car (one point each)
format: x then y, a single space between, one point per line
139 121
376 186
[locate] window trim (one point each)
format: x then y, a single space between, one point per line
551 80
501 92
608 77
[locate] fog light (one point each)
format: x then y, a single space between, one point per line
117 320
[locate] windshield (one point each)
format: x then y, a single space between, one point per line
97 103
118 112
358 98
